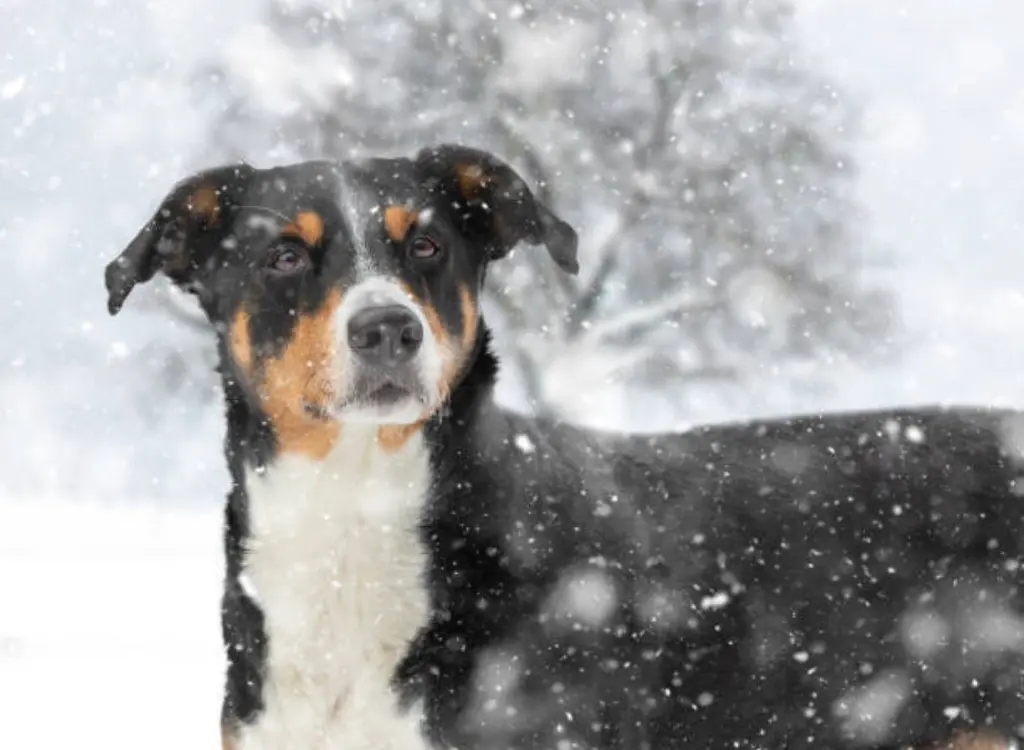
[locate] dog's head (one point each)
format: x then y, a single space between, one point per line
342 292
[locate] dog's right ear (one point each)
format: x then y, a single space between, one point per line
182 233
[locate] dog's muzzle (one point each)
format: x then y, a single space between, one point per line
390 358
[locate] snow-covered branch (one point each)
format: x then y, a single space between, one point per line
632 319
691 123
179 307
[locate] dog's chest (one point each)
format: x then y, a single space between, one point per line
336 563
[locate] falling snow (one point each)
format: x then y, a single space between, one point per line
12 88
715 601
525 444
112 435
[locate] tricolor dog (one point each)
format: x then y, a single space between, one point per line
838 581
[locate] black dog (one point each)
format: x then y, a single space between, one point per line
398 548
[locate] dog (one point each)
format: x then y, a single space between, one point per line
409 565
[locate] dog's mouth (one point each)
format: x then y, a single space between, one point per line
384 390
377 399
387 394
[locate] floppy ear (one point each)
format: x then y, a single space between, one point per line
182 234
494 203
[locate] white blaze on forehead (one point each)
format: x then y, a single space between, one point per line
376 291
357 207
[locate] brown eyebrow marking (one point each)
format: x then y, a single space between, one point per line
398 220
204 204
472 179
308 226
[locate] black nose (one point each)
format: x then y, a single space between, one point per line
388 335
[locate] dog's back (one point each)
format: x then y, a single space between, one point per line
798 583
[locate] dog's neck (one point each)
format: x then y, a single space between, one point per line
331 551
335 555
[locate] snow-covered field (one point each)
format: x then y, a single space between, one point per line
109 631
108 609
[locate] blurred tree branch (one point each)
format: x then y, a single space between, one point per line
178 306
682 137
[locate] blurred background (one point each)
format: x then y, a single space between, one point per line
784 206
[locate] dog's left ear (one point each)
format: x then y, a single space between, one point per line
494 204
183 232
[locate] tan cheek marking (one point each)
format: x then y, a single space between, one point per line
437 328
298 376
397 222
308 226
391 437
470 319
228 740
451 357
204 204
452 354
472 179
433 319
981 740
239 341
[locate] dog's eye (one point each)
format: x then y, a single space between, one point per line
288 260
424 248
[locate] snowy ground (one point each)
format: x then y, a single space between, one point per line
109 634
109 610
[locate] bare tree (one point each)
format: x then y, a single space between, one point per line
709 174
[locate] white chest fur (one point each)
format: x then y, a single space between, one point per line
337 565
